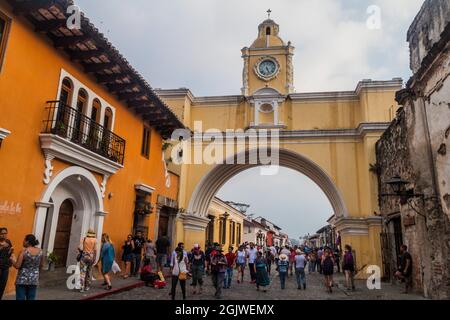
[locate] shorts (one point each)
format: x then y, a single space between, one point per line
161 259
241 265
127 257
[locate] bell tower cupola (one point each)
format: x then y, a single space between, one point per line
268 61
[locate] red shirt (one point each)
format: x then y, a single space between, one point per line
231 257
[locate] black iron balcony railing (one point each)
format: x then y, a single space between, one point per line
74 126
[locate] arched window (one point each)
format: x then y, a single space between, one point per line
80 119
82 101
65 95
268 31
95 112
107 119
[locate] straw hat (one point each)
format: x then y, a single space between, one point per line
298 251
91 233
283 256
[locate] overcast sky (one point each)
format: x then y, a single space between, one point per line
196 44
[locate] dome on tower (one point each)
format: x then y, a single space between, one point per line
268 32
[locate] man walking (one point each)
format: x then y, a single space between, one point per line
252 254
319 259
231 263
218 269
404 271
162 249
139 242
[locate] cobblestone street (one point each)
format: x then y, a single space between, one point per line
246 291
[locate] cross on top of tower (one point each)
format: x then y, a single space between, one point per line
268 13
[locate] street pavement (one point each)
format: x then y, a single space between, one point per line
245 291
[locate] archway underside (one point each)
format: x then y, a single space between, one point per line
220 174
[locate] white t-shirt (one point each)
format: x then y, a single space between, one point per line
179 267
252 254
241 257
286 252
174 256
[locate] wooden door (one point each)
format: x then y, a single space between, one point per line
163 226
62 237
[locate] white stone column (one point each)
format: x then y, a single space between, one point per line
275 112
39 220
99 219
257 105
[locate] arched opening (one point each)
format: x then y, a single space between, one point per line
65 96
107 119
96 109
289 200
94 128
74 199
268 31
80 118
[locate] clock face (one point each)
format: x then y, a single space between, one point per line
267 68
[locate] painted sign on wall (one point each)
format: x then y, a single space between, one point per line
10 208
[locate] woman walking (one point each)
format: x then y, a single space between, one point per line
270 258
262 277
150 253
179 272
107 255
28 264
87 256
241 261
198 260
127 255
312 261
328 269
349 268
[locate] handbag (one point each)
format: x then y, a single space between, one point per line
115 267
182 276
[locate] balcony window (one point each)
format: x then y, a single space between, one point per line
4 29
65 122
66 92
145 149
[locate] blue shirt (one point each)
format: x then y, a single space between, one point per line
283 266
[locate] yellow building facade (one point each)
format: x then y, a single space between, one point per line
226 225
328 136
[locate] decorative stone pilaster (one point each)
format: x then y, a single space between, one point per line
192 222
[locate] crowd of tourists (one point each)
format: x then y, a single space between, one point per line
261 263
146 259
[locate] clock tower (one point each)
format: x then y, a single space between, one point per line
268 62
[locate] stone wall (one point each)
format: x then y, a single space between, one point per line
415 147
426 30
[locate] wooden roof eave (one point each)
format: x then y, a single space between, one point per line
101 71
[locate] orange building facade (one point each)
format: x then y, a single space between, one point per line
82 136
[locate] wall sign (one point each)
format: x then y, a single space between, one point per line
10 208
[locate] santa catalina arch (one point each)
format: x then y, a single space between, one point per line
328 136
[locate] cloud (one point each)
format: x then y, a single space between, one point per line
197 43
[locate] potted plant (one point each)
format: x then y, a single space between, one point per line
143 207
52 259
